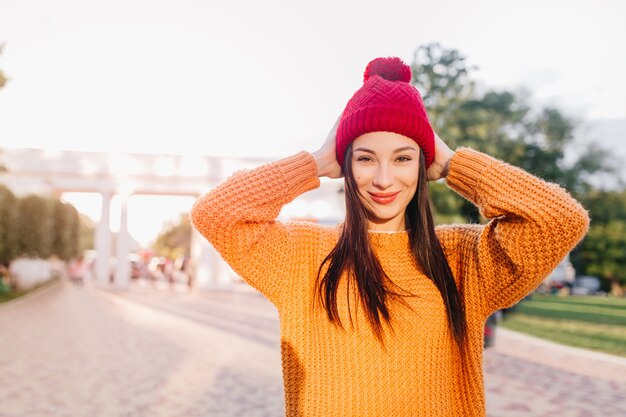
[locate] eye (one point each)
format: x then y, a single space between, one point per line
364 159
404 158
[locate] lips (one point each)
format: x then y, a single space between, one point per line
384 198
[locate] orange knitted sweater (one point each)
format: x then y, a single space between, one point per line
419 371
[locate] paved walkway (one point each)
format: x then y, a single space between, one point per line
525 376
72 351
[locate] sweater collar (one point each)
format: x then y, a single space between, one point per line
383 239
389 239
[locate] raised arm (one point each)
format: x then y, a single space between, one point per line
533 225
238 218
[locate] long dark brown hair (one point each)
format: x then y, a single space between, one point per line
353 256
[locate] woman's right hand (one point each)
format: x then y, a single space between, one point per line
326 157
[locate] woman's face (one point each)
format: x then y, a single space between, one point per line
385 167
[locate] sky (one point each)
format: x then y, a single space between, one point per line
268 78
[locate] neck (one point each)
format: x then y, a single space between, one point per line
394 225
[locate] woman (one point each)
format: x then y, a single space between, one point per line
383 315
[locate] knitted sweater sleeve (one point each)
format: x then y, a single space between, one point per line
238 218
533 225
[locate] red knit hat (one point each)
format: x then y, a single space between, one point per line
386 102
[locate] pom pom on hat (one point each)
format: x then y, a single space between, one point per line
392 69
386 102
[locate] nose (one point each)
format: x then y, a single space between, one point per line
384 177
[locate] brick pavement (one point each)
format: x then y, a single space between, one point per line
525 376
80 352
73 351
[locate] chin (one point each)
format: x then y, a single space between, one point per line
381 217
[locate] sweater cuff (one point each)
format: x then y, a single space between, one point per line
299 172
466 171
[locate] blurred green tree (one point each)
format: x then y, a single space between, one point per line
34 225
500 123
3 78
65 230
86 233
603 251
8 232
175 240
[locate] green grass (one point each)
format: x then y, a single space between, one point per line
10 295
592 323
7 295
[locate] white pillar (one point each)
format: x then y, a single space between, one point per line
103 241
122 264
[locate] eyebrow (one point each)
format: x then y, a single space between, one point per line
404 148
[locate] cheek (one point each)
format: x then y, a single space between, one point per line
410 179
359 176
411 194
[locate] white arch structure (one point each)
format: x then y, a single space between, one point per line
35 171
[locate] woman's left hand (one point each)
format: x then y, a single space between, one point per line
439 168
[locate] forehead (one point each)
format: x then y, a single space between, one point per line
383 141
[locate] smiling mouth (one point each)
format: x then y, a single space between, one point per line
384 198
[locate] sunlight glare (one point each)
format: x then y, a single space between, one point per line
148 215
164 166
